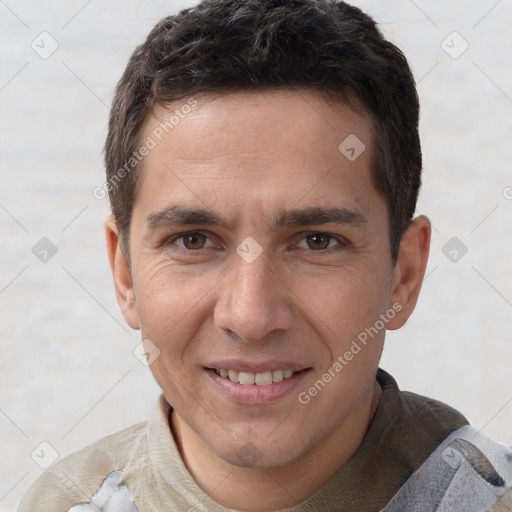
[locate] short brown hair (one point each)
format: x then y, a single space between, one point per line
235 45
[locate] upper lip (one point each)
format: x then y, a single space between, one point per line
255 367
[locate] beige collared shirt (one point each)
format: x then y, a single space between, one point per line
140 469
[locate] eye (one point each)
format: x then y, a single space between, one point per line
193 241
318 242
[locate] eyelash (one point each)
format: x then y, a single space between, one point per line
178 237
341 242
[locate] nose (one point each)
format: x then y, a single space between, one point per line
254 301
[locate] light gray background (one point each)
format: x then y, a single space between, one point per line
67 372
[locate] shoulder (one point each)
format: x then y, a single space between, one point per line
78 477
468 472
419 423
425 408
412 406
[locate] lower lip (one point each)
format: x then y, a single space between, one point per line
254 394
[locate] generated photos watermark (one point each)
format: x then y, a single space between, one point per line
158 133
355 348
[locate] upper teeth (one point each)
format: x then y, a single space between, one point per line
260 379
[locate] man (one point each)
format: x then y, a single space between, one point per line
263 165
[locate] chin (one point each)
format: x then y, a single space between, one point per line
262 453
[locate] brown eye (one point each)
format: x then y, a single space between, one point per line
318 241
194 240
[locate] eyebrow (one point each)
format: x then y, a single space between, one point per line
318 215
175 214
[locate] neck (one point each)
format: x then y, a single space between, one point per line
273 488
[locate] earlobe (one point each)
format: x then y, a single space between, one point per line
121 272
410 270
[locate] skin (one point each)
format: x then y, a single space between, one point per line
249 157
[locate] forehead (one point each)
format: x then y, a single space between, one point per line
235 118
284 142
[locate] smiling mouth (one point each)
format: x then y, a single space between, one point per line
259 379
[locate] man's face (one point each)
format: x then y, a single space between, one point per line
257 246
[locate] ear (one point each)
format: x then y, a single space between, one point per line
410 270
122 274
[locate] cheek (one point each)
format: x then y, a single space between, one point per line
348 314
343 302
170 304
171 308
